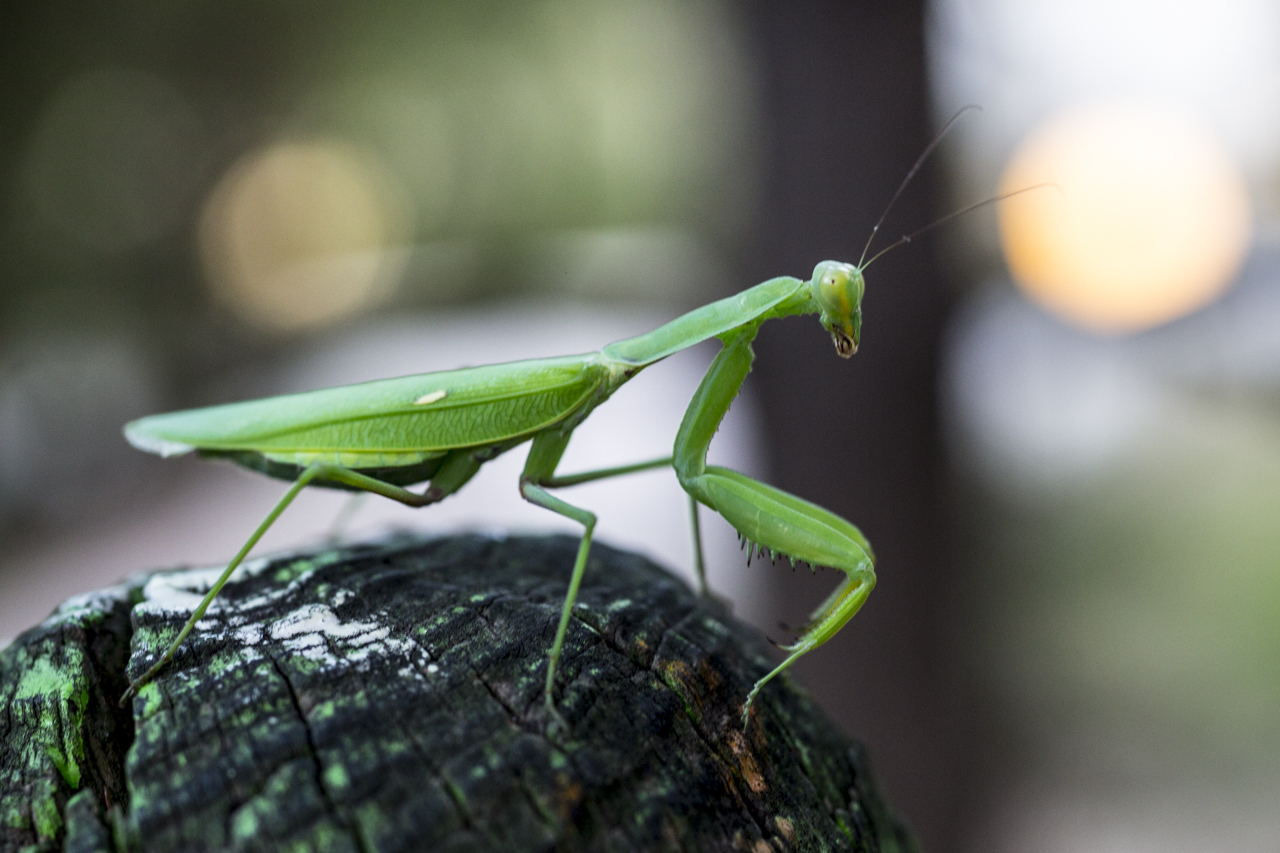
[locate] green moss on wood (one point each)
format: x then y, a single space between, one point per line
59 734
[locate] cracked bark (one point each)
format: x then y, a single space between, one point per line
388 697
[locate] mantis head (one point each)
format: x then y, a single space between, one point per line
837 288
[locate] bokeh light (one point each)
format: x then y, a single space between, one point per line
1152 220
301 235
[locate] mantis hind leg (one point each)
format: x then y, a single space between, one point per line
452 475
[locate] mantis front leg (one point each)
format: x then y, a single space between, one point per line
770 519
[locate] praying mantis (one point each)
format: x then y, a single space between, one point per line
440 428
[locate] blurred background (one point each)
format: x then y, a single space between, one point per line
1062 432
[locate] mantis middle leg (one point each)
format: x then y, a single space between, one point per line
699 564
770 519
538 476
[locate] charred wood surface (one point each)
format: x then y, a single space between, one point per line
389 697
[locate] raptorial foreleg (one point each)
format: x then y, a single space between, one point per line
770 519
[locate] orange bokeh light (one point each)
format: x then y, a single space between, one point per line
1152 220
299 235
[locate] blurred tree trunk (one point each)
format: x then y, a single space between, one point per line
845 102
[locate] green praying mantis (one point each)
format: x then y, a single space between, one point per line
440 428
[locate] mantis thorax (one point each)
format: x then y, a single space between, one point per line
837 288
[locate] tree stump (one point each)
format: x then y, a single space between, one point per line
389 697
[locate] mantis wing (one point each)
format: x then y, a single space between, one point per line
387 422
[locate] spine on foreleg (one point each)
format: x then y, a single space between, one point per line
782 522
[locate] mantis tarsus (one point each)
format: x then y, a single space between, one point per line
442 427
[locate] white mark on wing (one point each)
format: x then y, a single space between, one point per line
430 398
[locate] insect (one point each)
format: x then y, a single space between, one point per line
440 428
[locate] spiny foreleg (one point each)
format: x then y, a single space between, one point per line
768 519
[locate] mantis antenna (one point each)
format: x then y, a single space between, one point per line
911 174
907 238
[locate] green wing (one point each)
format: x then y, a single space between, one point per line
388 422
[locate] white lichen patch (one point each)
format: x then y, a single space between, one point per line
99 601
308 619
409 672
181 591
274 595
315 632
